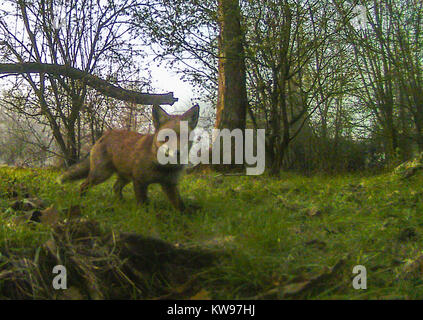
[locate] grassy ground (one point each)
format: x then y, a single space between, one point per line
283 236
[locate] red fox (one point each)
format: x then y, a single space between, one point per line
133 157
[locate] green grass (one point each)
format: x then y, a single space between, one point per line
276 231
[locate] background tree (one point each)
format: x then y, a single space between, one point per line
287 44
89 37
387 57
232 95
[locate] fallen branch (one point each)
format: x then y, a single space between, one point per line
93 81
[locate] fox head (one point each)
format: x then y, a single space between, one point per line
169 128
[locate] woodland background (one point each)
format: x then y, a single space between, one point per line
336 84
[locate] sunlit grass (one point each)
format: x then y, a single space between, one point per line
276 231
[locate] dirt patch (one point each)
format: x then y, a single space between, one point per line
101 264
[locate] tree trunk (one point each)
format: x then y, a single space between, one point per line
232 95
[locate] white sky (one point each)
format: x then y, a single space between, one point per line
164 80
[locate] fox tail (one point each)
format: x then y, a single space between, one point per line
76 172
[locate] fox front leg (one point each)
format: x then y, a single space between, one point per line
119 185
140 190
172 193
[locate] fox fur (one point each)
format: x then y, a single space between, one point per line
133 158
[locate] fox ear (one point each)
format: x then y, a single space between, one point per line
159 116
192 116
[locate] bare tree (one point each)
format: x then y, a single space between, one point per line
388 61
286 41
91 36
